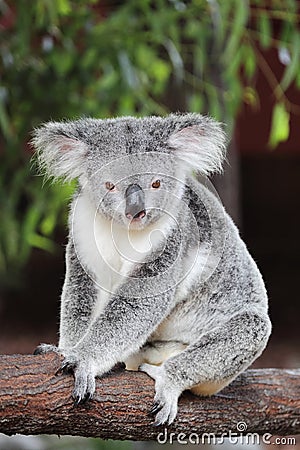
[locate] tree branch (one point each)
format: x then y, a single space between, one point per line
33 400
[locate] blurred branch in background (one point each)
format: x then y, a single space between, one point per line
66 58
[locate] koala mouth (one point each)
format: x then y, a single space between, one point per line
137 217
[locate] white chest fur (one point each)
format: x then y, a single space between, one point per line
109 250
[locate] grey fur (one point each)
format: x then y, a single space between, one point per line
192 309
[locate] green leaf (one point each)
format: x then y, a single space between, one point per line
249 61
63 7
38 241
30 221
241 11
196 103
233 68
280 126
251 98
265 28
62 62
48 224
214 103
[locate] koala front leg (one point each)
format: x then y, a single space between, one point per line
209 364
92 345
78 301
77 305
121 330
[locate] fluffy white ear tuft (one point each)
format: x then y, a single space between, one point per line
202 147
59 152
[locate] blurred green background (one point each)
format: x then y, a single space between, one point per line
235 60
67 59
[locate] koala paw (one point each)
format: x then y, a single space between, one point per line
45 348
85 385
84 375
166 395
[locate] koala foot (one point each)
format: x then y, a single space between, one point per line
166 395
84 375
85 385
46 348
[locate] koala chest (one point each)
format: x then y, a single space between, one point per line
108 251
117 253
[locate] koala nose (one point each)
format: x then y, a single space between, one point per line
135 202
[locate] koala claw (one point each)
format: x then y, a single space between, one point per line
155 408
166 414
166 396
84 385
79 400
67 367
84 378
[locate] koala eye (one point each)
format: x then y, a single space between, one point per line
110 186
156 184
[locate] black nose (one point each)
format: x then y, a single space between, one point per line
135 202
139 215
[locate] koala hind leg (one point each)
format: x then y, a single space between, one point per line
209 364
166 394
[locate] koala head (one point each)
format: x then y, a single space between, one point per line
133 169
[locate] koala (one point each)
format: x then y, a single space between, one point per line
157 276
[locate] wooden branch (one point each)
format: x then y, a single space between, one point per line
33 400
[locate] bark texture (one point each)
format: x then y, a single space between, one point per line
33 400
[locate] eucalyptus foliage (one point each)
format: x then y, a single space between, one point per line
71 58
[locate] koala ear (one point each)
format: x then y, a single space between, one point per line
60 151
201 146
